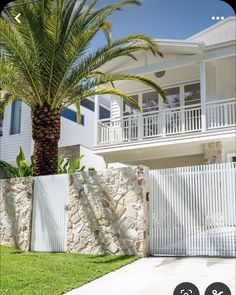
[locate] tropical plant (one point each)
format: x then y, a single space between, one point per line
23 169
64 165
49 53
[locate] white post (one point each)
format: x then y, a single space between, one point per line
203 93
161 112
96 118
140 118
182 109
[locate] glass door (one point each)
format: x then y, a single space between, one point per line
171 114
130 120
151 117
192 112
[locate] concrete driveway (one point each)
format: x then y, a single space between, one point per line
160 276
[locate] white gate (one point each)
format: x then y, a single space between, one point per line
49 213
192 211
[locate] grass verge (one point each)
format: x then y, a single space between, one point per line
28 273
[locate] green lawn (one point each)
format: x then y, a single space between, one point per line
28 273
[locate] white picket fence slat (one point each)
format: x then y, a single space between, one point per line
49 218
192 210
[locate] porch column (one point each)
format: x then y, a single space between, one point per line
116 123
203 93
96 118
140 121
162 118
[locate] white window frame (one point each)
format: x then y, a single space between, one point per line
160 99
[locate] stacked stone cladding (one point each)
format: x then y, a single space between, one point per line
108 212
16 212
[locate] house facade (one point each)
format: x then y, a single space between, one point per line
196 124
15 131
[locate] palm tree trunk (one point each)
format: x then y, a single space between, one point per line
46 134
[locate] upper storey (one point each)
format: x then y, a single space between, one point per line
198 75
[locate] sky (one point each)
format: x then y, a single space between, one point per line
168 19
164 19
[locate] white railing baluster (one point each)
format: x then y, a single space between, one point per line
168 122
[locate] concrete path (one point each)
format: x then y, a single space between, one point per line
160 276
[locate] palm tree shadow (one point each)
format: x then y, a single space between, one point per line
196 212
112 231
10 208
46 223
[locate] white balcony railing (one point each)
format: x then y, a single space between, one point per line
174 121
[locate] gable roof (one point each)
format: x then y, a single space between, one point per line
220 32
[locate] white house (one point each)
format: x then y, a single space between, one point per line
195 126
15 131
197 123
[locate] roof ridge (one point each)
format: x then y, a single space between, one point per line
219 23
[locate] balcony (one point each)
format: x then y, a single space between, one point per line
214 115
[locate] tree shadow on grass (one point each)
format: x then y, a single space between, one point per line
16 252
111 260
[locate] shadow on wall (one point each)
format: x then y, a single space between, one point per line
16 206
106 213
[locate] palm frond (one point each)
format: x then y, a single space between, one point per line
49 51
101 79
103 91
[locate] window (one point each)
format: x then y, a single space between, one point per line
103 113
128 108
82 120
15 117
71 115
192 94
1 126
87 104
173 97
150 102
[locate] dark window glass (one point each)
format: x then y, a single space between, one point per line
71 115
82 120
103 113
1 126
192 94
15 117
234 159
150 102
173 97
128 108
87 104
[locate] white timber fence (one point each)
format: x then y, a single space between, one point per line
192 211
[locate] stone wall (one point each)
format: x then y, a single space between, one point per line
108 212
15 212
213 152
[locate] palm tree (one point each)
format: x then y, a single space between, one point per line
54 68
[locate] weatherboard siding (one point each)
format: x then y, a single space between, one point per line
9 144
71 134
